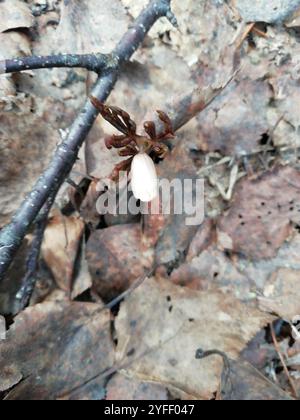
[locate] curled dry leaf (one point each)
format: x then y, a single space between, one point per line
188 320
15 14
61 251
82 280
56 347
262 211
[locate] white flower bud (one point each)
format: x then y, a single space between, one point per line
144 181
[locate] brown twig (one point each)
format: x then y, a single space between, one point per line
24 294
276 345
127 292
226 375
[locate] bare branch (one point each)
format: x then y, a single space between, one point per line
93 62
28 283
66 154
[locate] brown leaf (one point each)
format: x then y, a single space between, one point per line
259 220
115 258
188 320
60 249
56 347
236 121
124 388
282 295
259 352
13 44
245 383
204 237
15 14
171 232
87 26
28 139
211 269
9 377
82 280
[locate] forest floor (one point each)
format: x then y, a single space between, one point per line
230 284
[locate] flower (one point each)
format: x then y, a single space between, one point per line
144 181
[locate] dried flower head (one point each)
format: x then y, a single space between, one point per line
138 148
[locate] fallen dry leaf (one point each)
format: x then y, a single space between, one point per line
246 279
259 352
281 295
115 258
211 269
26 148
171 232
15 14
86 25
55 348
60 250
12 44
187 320
125 388
82 279
204 237
245 383
236 122
259 219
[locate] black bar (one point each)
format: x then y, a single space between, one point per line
134 409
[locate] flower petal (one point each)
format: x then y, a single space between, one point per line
144 181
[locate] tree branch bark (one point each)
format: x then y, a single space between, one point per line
93 62
12 235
